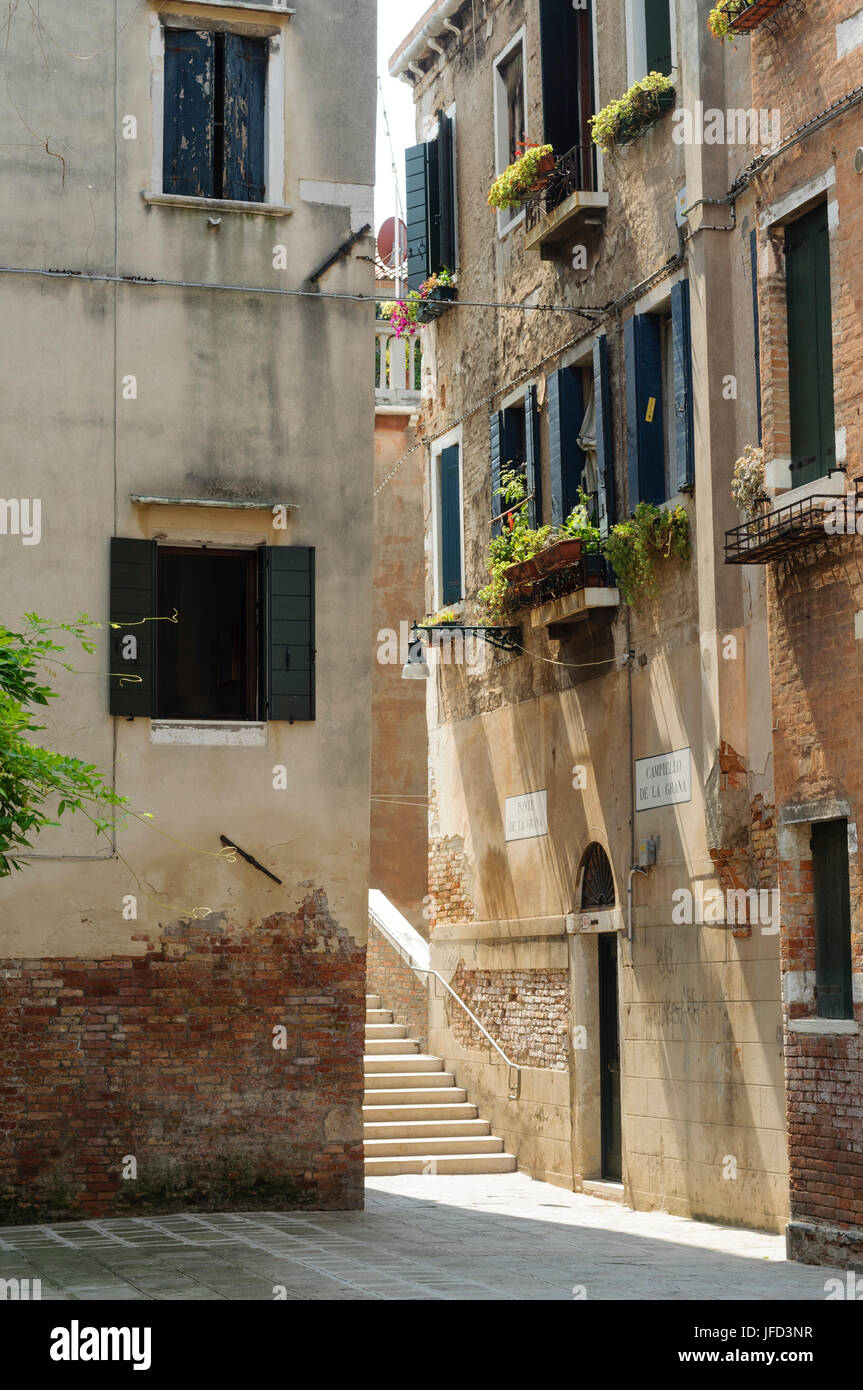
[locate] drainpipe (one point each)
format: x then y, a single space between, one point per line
636 869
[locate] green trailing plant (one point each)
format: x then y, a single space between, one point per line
638 107
581 526
521 178
747 486
38 786
723 15
517 541
637 546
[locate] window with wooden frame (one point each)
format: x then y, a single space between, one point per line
510 115
832 911
810 347
215 99
566 36
202 633
650 38
515 449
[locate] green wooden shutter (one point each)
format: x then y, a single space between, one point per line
832 900
566 460
684 423
132 683
753 259
290 632
245 94
450 525
810 347
657 23
416 214
604 439
446 195
497 461
645 446
189 114
532 461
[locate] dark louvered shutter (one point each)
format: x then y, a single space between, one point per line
446 195
753 258
834 996
566 460
684 423
657 23
416 212
532 462
189 114
642 337
132 644
606 512
245 107
290 632
810 347
496 432
450 517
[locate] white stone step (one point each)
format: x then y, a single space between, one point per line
395 1047
443 1163
441 1089
425 1129
376 1017
446 1144
414 1062
391 1111
373 1001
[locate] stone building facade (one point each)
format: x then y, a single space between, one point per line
181 1026
805 198
614 311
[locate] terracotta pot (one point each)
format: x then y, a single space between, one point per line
522 572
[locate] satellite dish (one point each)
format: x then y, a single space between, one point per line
393 242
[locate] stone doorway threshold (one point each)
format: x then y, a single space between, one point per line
603 1187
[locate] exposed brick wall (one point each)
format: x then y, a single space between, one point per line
450 881
525 1011
825 1130
399 988
169 1057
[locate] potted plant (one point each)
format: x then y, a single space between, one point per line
623 120
747 485
439 289
526 175
516 546
446 618
730 17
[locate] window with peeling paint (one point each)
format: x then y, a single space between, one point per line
215 107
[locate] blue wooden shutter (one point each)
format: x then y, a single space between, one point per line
753 257
416 213
245 110
496 431
132 685
290 633
450 525
684 420
604 439
188 117
446 193
532 462
645 446
566 460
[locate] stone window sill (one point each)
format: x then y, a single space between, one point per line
176 200
825 1027
207 733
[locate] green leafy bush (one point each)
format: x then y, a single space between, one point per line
636 108
635 546
510 188
517 541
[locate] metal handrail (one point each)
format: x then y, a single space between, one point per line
514 1087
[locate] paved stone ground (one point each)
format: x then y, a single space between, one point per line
477 1237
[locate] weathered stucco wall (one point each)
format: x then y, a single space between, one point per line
235 395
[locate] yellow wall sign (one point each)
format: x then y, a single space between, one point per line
651 407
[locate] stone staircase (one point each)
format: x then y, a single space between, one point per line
415 1117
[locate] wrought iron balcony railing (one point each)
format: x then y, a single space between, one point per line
819 518
573 173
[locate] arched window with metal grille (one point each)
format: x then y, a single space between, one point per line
597 880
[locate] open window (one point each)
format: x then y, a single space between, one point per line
567 87
203 633
215 86
515 449
650 38
510 115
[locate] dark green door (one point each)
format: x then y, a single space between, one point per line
832 919
810 347
609 1058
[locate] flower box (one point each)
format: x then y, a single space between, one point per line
654 110
521 572
754 12
437 303
558 555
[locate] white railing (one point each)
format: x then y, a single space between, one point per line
397 367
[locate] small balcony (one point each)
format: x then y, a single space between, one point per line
778 532
398 370
567 207
562 586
